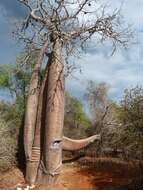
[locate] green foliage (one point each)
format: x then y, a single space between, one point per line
16 83
76 120
10 113
129 134
16 77
75 107
5 75
132 107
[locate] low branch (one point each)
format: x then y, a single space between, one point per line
71 145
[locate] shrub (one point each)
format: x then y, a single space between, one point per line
8 146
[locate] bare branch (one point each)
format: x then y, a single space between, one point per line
81 6
59 19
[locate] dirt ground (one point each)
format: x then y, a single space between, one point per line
100 175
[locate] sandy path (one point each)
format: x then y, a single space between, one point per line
75 177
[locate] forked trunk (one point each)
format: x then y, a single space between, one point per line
44 140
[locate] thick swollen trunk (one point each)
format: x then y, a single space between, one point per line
52 155
31 115
43 136
32 165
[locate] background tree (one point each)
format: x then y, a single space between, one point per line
57 27
8 142
76 120
131 129
99 102
15 78
120 123
103 116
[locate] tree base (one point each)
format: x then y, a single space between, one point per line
46 180
24 186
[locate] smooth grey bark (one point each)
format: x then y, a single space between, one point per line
45 164
71 144
31 120
52 150
31 112
33 164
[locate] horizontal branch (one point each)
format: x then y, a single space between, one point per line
72 145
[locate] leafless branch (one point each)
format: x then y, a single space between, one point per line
57 19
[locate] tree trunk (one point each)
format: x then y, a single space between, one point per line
44 123
31 128
32 165
52 151
31 113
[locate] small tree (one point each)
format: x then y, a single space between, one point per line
132 106
104 116
99 102
131 129
76 120
56 27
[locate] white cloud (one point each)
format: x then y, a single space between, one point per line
123 70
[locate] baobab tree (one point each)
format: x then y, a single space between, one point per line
57 28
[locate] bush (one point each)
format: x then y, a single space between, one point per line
8 146
130 114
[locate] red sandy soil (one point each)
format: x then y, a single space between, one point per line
75 177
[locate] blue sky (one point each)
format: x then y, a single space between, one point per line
124 69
